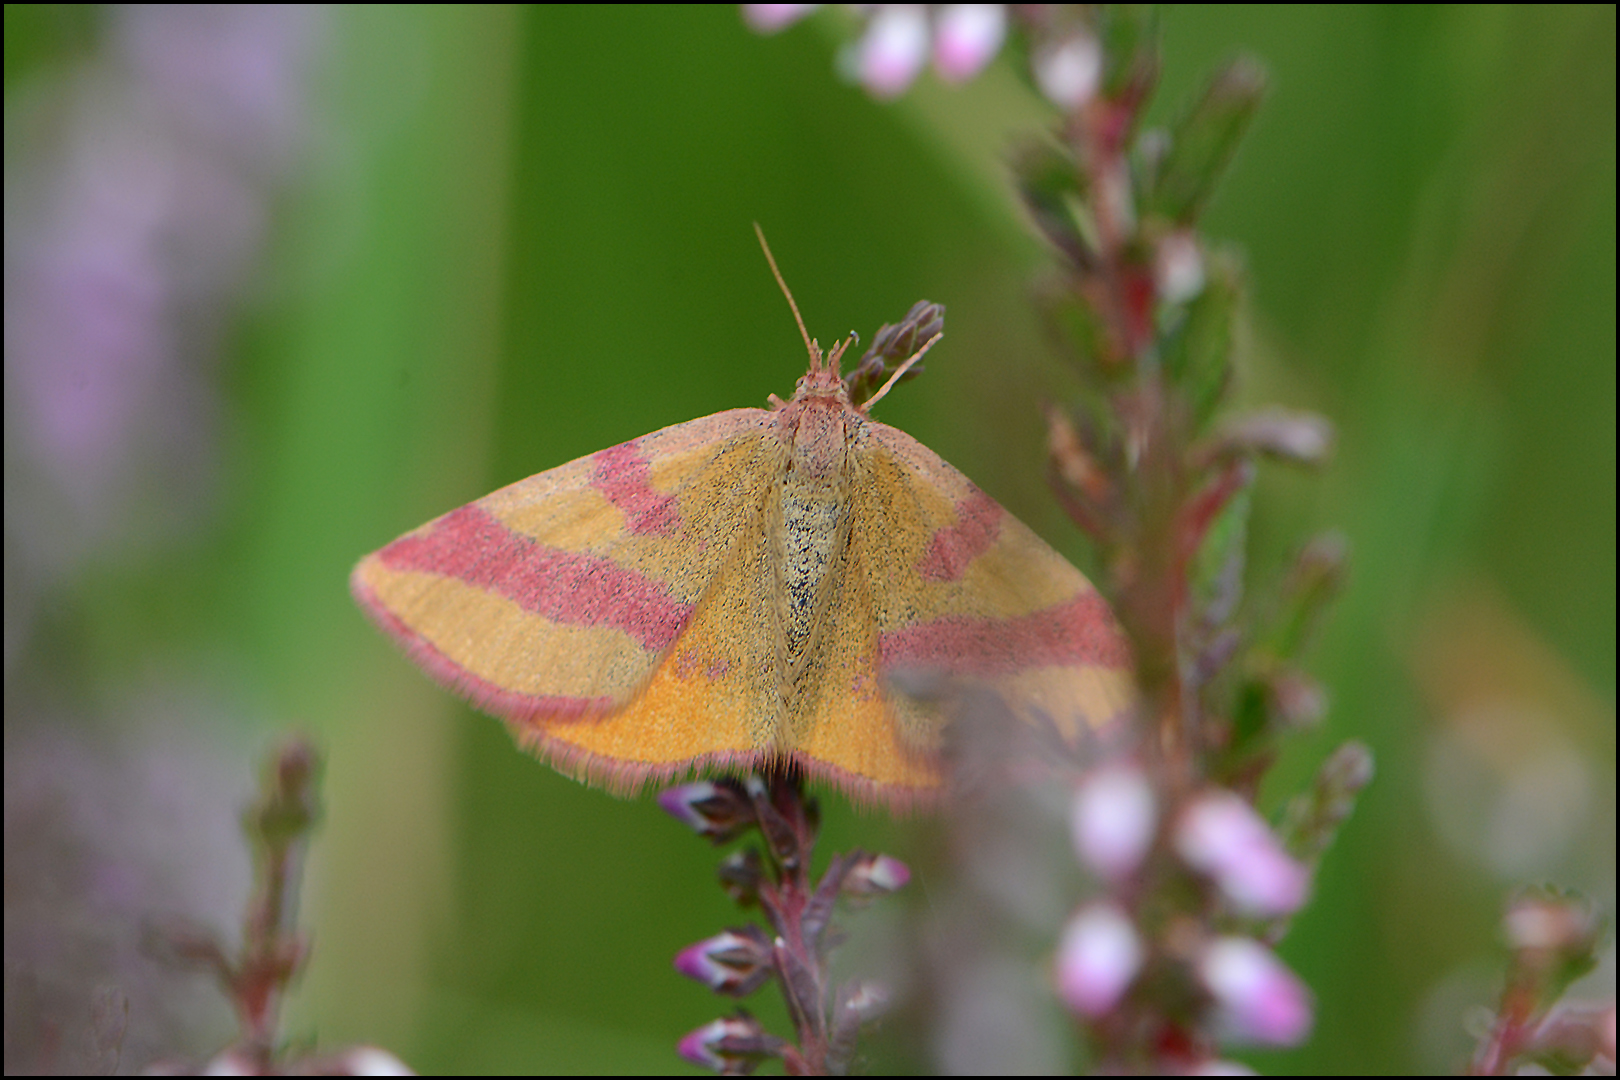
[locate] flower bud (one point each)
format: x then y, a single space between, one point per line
719 811
731 1044
875 875
863 1000
733 962
740 875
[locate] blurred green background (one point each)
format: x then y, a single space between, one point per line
515 236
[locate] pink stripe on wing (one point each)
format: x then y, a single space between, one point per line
564 586
1079 632
507 704
622 476
978 523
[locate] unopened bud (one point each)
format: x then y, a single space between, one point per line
733 962
740 875
875 875
720 811
730 1044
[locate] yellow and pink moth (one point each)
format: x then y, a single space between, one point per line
737 591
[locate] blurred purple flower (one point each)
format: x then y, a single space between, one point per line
1098 956
893 49
966 38
107 825
1257 999
769 18
137 198
1112 819
898 38
1221 835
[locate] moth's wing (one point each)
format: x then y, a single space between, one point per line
571 604
942 580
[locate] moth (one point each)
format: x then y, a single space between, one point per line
739 591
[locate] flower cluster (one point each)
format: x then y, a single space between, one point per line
1221 846
776 878
899 39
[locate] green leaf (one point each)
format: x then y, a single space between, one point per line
1203 142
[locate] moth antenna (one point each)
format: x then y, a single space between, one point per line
809 346
904 367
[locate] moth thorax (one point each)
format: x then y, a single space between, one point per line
812 514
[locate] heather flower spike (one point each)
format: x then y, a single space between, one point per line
1553 937
256 975
795 950
1149 313
893 345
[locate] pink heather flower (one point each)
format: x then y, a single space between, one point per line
728 963
1097 958
1257 999
769 18
893 49
1221 836
1068 73
967 37
876 875
1112 819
